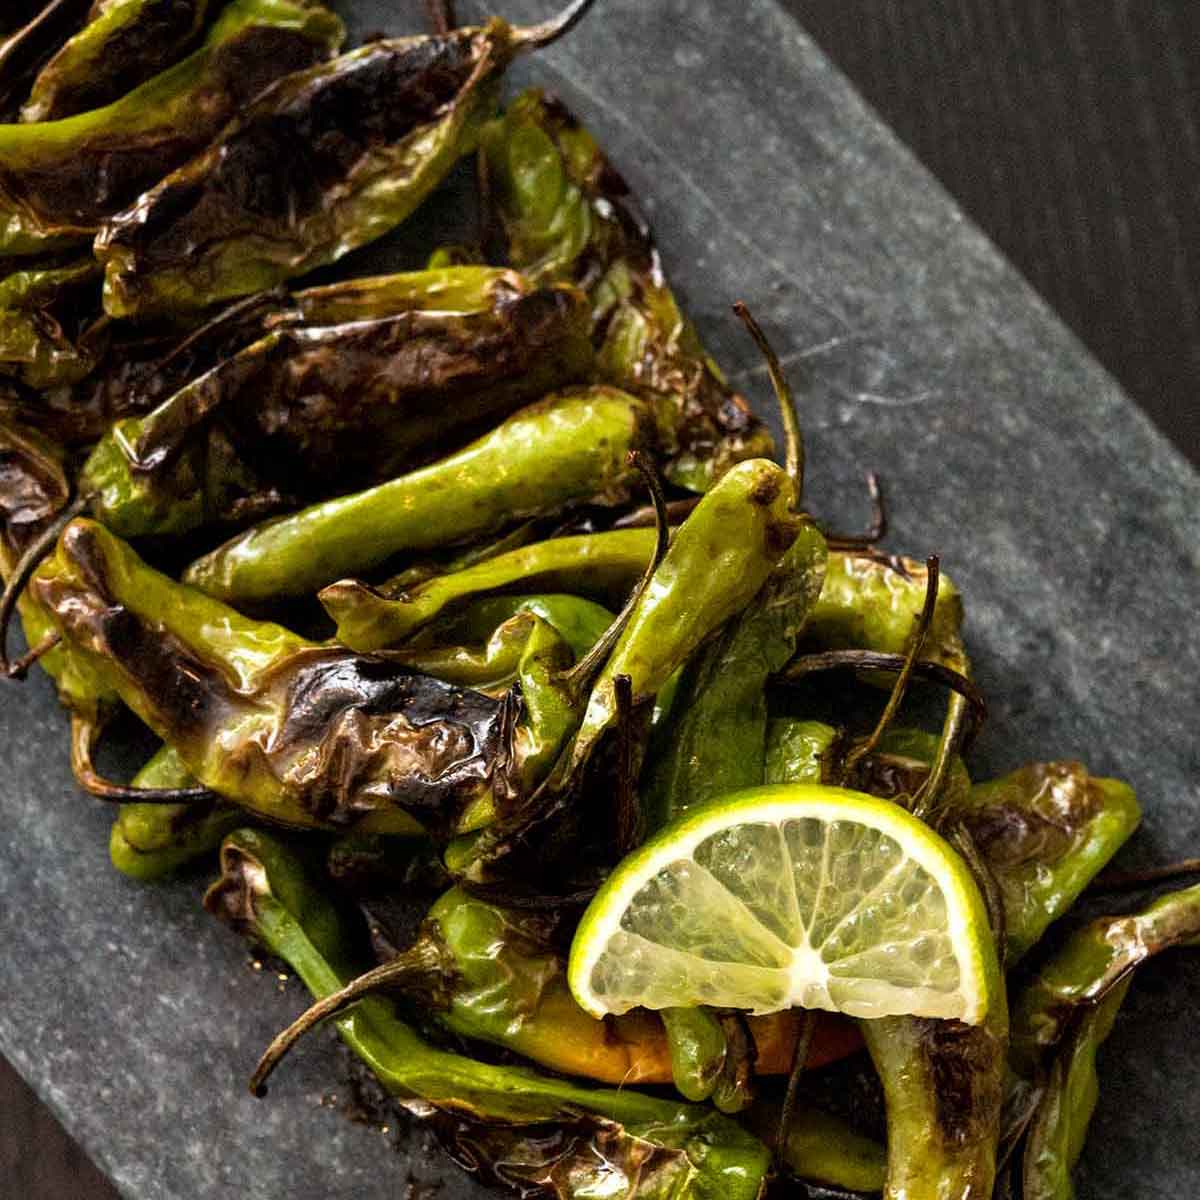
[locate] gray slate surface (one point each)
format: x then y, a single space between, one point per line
1066 520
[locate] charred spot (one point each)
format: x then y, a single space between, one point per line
888 776
33 490
779 536
766 490
961 1061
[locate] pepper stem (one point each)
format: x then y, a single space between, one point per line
85 733
874 660
29 562
804 1037
535 37
415 965
793 437
875 532
1120 881
580 676
910 661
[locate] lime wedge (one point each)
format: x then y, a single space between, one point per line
790 896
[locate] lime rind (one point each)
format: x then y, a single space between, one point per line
784 896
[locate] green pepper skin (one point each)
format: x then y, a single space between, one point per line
579 622
1059 1130
798 751
30 32
308 412
351 149
699 1155
717 562
866 604
569 219
153 841
715 739
568 449
49 171
698 1049
33 490
124 43
1046 830
1090 964
298 733
602 566
42 342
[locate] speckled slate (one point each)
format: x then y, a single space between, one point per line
1067 521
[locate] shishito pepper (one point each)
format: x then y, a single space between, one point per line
124 43
30 32
298 732
331 159
310 410
569 448
60 179
568 218
696 1153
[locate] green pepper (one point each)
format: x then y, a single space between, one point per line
1059 1128
568 218
306 412
30 32
798 751
124 43
567 449
602 566
449 651
698 1154
60 179
1045 830
152 841
715 739
42 341
1090 964
329 160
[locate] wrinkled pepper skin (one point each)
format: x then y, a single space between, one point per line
30 33
717 562
1090 964
298 733
153 841
33 490
570 448
60 179
602 566
307 412
1059 1129
124 43
42 340
697 1154
569 218
866 604
349 148
799 751
1046 830
715 738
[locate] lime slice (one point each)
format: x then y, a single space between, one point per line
790 896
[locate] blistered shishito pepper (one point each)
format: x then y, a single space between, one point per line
1058 1129
152 841
799 751
569 448
1091 963
124 43
602 566
60 179
309 411
329 160
1045 830
698 1155
42 340
568 217
301 733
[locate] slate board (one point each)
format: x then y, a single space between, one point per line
1066 520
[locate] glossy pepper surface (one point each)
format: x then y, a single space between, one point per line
699 1155
331 159
309 411
124 43
568 217
568 449
60 179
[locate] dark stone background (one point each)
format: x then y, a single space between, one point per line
1068 130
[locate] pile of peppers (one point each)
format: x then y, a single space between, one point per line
444 589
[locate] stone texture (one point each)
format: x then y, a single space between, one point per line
1066 520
